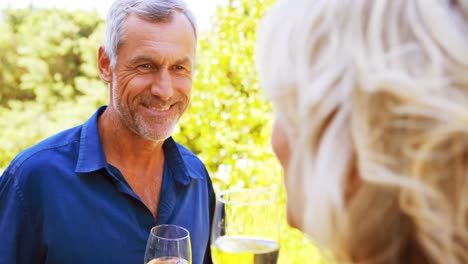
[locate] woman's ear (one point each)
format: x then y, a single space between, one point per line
105 71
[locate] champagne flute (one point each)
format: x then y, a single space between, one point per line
168 244
245 228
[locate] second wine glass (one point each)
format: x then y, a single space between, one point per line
245 228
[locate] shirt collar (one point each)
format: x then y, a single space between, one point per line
176 163
91 156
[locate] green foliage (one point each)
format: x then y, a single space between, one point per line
49 81
49 78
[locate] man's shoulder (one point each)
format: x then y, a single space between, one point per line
47 151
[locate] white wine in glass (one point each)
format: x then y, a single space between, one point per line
168 244
245 228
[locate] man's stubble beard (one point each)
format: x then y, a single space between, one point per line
135 122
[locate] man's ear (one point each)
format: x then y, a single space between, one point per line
104 65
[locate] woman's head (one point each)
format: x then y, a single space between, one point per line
371 102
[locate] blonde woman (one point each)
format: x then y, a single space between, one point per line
371 106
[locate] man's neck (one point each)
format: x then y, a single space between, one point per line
141 161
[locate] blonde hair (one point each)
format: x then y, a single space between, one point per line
379 90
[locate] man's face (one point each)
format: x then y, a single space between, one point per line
152 79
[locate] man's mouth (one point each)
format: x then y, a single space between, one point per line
160 109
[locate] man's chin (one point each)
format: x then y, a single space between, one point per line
158 135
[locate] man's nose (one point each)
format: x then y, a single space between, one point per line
162 85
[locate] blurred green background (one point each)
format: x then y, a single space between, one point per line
49 82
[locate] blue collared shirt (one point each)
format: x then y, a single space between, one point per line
61 202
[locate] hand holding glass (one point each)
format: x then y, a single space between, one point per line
245 228
168 244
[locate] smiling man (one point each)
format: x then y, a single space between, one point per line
92 193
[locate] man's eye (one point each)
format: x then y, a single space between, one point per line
178 67
146 67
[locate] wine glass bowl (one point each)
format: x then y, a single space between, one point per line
168 244
245 228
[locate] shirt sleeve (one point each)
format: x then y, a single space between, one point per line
18 241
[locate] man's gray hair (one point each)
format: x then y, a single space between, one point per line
152 10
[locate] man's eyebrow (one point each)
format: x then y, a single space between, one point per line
184 61
141 58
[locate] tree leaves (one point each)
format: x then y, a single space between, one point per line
48 79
